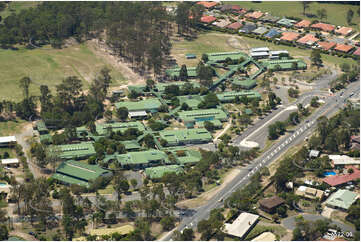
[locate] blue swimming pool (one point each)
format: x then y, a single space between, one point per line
329 173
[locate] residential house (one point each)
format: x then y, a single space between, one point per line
343 48
222 23
208 19
286 22
7 141
254 15
345 31
248 28
343 160
269 18
357 52
326 45
270 205
303 24
342 199
308 40
323 27
273 33
340 180
241 225
289 36
11 162
208 5
260 30
309 192
235 26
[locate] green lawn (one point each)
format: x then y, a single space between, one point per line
48 66
336 13
10 127
16 7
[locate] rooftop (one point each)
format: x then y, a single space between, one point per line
289 36
260 30
208 19
207 4
75 151
235 25
222 23
286 22
309 192
344 31
323 27
343 160
357 52
343 48
260 49
191 72
146 105
270 18
342 179
188 156
9 161
342 199
271 202
326 45
265 236
241 225
7 139
227 96
308 39
255 14
246 83
102 129
159 171
272 33
303 24
185 135
141 157
202 115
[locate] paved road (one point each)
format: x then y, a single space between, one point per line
331 106
290 222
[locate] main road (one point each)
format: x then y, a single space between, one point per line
330 107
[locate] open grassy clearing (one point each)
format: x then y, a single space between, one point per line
49 66
336 13
16 7
10 127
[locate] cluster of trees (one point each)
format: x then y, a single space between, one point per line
188 16
315 58
205 74
350 73
172 91
309 230
334 134
209 101
212 226
353 215
275 130
293 92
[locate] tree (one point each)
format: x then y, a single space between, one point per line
168 223
322 13
150 83
349 16
209 126
149 141
122 113
24 84
183 73
305 5
4 233
316 57
293 118
205 58
210 101
134 183
314 102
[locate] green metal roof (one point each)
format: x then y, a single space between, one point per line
191 100
286 22
159 171
131 144
203 115
119 126
191 157
40 126
222 56
284 64
342 199
230 96
75 151
248 111
174 72
44 137
215 122
150 104
75 172
161 86
185 136
246 83
142 157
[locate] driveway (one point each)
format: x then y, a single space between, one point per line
290 223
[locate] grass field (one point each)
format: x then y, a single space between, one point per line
10 127
16 7
48 66
336 13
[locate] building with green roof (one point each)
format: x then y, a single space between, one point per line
191 117
285 65
79 151
222 56
162 85
137 88
47 138
230 96
245 83
131 145
159 171
79 173
186 136
174 72
188 156
142 159
41 127
149 105
191 100
217 124
247 111
286 22
102 129
342 199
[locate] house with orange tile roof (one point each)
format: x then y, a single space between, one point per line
326 45
323 27
235 26
344 31
303 24
208 5
289 36
254 15
357 52
343 48
308 39
208 19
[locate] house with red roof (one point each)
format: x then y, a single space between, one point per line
235 25
344 31
357 52
289 36
338 180
254 15
208 19
343 48
323 27
308 39
303 24
326 45
208 5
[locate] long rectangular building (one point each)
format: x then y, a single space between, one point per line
74 172
222 56
174 72
149 105
193 116
285 65
102 129
74 151
186 136
7 141
230 96
161 86
142 159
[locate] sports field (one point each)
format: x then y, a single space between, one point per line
48 66
336 13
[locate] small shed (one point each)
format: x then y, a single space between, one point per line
191 56
270 205
314 153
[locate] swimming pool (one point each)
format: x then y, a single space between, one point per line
329 173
